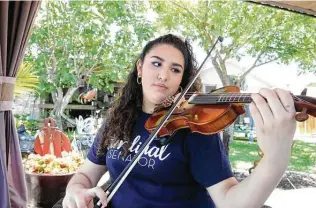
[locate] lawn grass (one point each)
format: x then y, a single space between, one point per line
242 154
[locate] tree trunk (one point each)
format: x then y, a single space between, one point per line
56 113
228 137
220 67
60 104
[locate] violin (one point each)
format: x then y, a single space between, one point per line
211 113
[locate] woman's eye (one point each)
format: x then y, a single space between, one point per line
175 70
155 63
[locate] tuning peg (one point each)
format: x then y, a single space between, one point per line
302 116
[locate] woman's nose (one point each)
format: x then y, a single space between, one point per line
163 75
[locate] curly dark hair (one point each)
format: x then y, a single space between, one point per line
127 107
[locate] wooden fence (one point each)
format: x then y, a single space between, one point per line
308 127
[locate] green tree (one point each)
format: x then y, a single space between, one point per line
266 34
80 42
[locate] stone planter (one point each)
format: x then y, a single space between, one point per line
44 190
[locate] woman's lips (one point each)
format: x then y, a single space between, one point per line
160 86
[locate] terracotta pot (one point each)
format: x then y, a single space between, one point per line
44 190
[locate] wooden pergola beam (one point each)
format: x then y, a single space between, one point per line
302 7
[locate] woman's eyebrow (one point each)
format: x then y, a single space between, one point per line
173 63
157 57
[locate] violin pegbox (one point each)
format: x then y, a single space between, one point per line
302 116
305 106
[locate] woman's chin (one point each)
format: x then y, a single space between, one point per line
159 99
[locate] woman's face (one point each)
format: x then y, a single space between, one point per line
161 74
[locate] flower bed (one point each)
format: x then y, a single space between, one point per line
47 177
49 164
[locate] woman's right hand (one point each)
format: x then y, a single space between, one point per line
83 198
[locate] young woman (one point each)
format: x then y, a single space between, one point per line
192 170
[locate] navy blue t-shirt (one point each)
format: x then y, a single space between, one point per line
172 176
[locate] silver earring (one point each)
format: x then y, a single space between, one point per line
180 89
139 80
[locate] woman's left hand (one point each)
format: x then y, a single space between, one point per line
273 112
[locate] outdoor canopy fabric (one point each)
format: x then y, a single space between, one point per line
16 19
304 7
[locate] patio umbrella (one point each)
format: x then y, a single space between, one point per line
16 18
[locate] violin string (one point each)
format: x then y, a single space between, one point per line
217 94
224 96
232 97
240 95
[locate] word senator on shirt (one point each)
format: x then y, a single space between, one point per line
146 160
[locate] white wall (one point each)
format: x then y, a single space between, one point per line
271 75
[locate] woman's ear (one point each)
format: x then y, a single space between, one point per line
139 67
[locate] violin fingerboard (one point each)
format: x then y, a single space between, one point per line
218 99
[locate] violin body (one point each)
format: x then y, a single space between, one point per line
204 119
